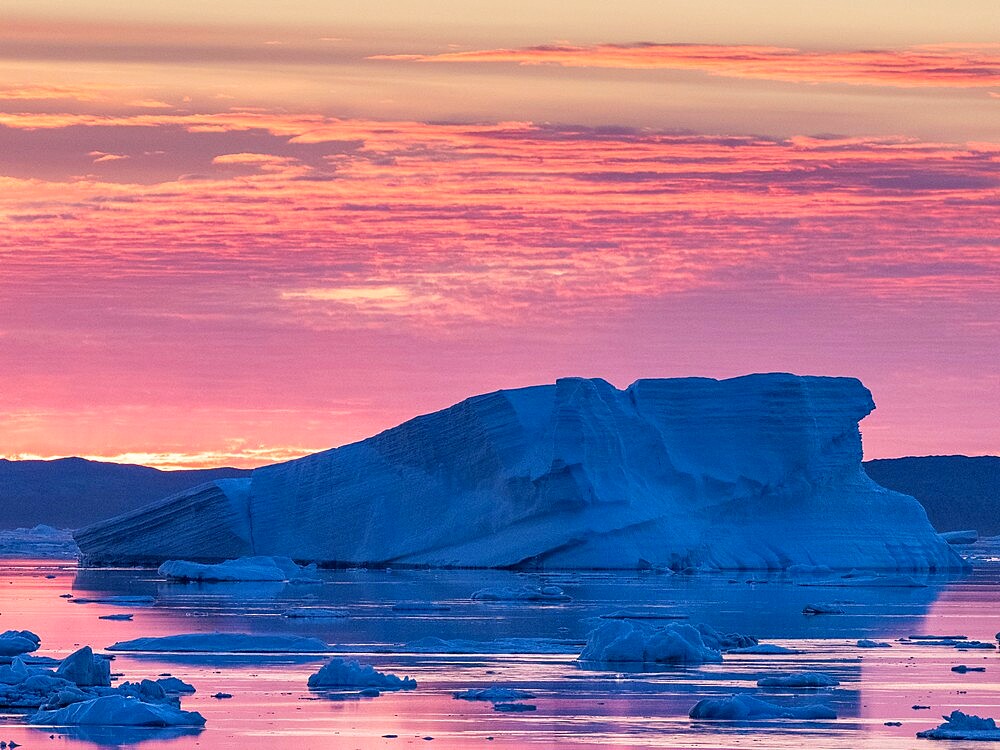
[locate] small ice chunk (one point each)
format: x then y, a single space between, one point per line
626 641
799 680
962 726
17 642
521 594
224 643
341 673
748 708
117 710
123 617
496 694
514 707
962 669
823 609
316 612
865 643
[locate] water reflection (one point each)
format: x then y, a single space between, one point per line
577 707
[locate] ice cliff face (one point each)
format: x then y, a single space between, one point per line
762 471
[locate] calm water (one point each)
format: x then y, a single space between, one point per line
271 706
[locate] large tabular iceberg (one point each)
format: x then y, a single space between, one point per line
762 471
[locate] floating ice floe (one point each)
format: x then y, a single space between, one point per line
224 643
119 599
175 685
764 649
316 612
521 594
122 617
969 536
962 669
626 641
962 726
866 643
348 673
244 569
748 708
831 608
799 680
511 708
959 642
117 710
644 613
495 694
17 642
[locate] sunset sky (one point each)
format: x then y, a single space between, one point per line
238 232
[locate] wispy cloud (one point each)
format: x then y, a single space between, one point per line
952 66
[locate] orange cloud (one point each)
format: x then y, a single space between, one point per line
952 66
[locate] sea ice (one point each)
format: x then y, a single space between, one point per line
17 642
120 599
175 685
347 673
512 708
961 726
224 643
748 708
626 641
496 694
865 643
765 649
831 608
798 680
757 472
117 710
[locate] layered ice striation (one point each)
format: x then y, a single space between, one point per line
756 472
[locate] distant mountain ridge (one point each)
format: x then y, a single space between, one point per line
958 492
73 492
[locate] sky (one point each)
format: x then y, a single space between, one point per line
239 232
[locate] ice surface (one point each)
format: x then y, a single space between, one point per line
761 471
748 708
867 643
798 680
764 649
961 726
117 710
175 685
626 641
496 694
224 643
344 673
258 568
16 642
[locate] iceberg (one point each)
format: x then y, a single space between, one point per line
962 726
627 641
17 642
799 680
748 708
521 594
244 569
495 694
756 472
118 710
347 673
85 669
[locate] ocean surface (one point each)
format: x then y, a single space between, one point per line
577 706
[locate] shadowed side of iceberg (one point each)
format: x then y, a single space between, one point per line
762 471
